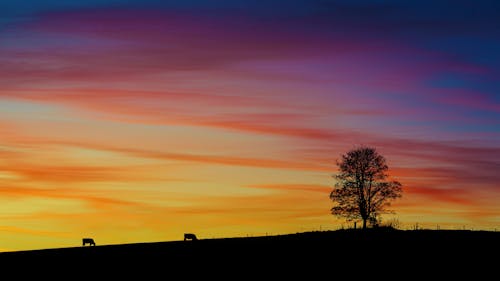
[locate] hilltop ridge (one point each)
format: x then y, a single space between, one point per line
285 255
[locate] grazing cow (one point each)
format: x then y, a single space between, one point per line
190 236
89 241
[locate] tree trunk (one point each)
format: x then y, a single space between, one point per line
364 223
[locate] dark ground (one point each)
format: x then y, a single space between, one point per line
377 253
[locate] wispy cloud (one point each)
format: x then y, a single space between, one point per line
62 193
122 111
456 196
295 187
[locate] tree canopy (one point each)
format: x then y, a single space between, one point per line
362 190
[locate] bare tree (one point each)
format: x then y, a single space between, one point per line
362 190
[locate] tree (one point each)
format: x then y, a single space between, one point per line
362 190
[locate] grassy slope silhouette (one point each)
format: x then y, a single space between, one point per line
327 253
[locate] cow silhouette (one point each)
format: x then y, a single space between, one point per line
190 236
89 241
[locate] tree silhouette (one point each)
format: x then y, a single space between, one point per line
362 190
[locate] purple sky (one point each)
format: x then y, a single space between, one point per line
236 111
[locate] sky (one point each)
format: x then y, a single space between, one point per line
139 121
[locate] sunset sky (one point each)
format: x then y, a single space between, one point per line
138 121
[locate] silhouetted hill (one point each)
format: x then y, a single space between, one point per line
329 254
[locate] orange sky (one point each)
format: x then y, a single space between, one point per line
140 125
69 172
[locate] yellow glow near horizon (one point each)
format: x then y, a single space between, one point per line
230 122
